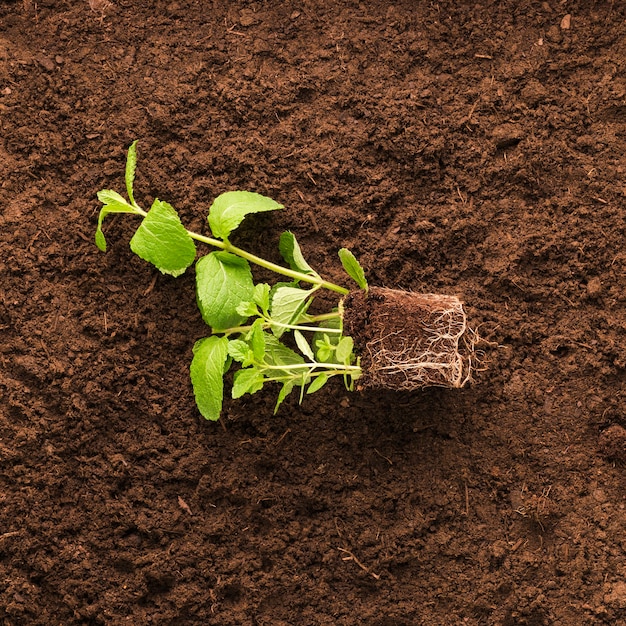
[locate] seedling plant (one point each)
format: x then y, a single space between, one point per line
382 338
265 332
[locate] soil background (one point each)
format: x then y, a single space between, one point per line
469 148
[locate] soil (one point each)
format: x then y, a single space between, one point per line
407 341
475 149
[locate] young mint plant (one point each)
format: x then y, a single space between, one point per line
259 329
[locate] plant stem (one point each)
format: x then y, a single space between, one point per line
245 329
328 372
313 329
334 367
278 269
324 316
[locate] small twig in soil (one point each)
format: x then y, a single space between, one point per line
184 506
382 456
517 544
151 285
10 534
282 436
351 557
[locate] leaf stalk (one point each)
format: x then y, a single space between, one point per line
273 267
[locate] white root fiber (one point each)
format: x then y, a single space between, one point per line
440 354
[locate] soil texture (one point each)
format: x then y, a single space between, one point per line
475 149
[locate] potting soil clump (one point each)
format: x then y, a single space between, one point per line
409 340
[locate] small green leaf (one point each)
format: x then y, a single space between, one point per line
353 268
324 354
325 344
113 203
115 200
240 351
162 240
318 383
285 390
257 340
229 209
290 251
223 282
343 351
207 369
101 241
131 165
303 345
277 354
288 305
262 296
247 381
247 309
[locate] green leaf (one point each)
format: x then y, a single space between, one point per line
334 322
113 199
290 251
223 282
240 351
324 343
285 390
303 345
207 369
324 354
247 309
288 305
247 381
318 383
131 166
256 338
353 268
162 240
343 351
113 203
229 209
101 241
277 353
325 347
262 296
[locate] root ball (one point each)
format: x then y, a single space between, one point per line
408 341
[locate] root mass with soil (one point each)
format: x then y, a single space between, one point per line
408 341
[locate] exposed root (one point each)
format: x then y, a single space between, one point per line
434 358
415 340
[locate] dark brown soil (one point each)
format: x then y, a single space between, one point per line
469 148
408 341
